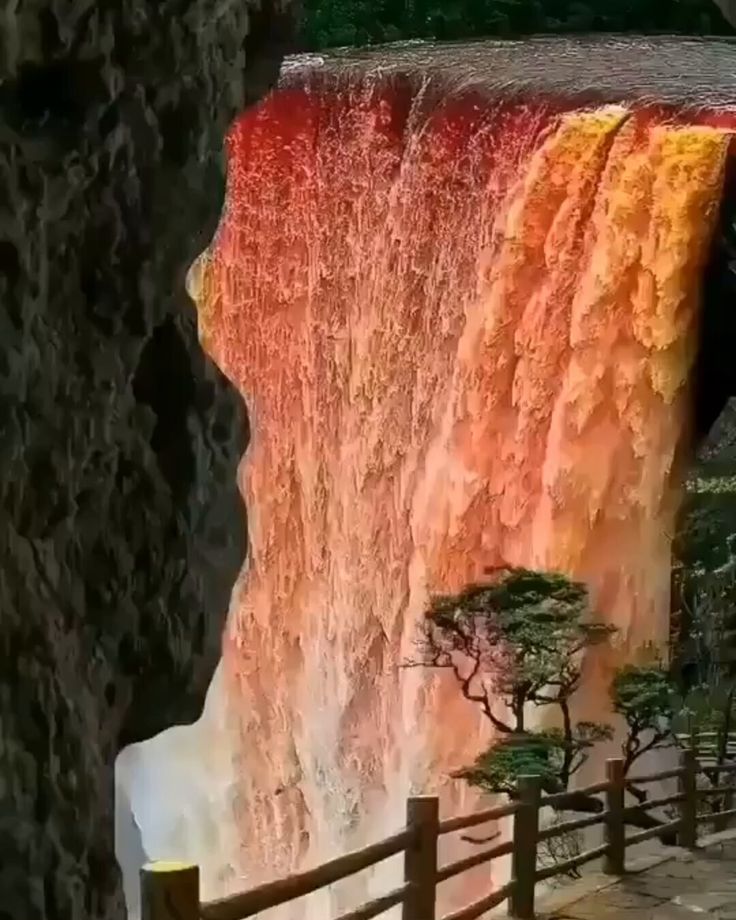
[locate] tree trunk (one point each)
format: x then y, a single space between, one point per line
633 814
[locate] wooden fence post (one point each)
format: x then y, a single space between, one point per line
615 860
719 822
694 737
420 858
688 833
524 858
169 891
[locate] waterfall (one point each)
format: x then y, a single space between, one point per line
463 326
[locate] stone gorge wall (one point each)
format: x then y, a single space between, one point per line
121 531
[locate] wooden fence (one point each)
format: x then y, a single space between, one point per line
171 891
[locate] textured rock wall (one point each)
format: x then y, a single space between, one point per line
121 531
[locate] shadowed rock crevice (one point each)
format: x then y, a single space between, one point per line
122 530
163 382
715 371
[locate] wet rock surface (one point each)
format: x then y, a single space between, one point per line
121 528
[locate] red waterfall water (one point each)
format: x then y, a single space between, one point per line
463 330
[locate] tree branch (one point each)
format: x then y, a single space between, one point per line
481 839
567 758
439 658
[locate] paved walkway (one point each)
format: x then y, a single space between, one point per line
688 886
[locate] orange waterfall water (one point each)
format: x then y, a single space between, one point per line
463 330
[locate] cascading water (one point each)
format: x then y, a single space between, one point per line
463 325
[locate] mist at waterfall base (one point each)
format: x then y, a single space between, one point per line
464 329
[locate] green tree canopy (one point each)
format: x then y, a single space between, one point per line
515 644
645 698
331 23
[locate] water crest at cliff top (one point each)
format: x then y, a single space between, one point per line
459 298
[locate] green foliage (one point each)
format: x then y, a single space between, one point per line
535 753
498 769
705 579
331 23
515 643
709 646
645 698
705 573
524 633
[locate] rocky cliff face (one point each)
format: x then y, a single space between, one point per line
121 530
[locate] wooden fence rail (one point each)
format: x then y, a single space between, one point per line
170 891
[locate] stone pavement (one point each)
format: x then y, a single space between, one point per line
688 885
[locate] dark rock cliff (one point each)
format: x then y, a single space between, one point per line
121 530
